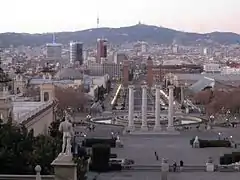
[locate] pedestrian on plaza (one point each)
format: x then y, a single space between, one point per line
181 165
174 167
156 155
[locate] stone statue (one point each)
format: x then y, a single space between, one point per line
196 142
67 129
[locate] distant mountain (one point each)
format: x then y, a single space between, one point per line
140 32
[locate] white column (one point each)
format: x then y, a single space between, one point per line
157 126
131 108
144 126
170 109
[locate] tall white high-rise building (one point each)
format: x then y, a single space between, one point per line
76 52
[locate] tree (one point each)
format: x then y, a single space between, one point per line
108 86
218 101
20 151
46 149
70 97
16 145
100 157
101 92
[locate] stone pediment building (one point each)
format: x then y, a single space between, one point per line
36 115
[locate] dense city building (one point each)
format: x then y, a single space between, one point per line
101 50
76 53
54 51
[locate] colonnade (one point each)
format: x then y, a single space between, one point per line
144 126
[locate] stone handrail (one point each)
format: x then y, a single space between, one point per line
32 113
24 177
38 176
187 168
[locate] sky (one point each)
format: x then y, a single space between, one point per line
37 16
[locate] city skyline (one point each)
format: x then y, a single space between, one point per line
203 16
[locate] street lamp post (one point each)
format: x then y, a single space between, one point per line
219 136
211 120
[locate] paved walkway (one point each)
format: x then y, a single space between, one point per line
131 175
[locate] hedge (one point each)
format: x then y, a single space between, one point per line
115 167
212 143
93 141
113 155
230 158
100 157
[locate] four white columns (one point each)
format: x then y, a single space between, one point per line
144 126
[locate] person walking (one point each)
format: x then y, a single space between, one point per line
174 167
156 156
181 165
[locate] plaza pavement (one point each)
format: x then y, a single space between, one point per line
131 175
173 147
141 149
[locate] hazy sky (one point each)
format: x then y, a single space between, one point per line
69 15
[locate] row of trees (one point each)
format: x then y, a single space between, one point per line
70 97
73 98
20 151
217 101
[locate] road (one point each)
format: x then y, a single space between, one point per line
138 100
109 98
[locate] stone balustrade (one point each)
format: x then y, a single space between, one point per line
38 176
24 117
185 168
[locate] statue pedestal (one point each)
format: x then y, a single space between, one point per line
157 128
130 128
209 167
144 128
64 167
171 129
119 143
164 170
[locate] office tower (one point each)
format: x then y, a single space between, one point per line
54 51
76 53
101 49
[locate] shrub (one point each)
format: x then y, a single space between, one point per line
230 158
212 143
226 159
236 156
100 157
222 160
93 141
113 155
115 167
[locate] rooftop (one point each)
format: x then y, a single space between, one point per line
217 77
43 81
21 109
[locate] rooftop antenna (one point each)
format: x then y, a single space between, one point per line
53 38
98 21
